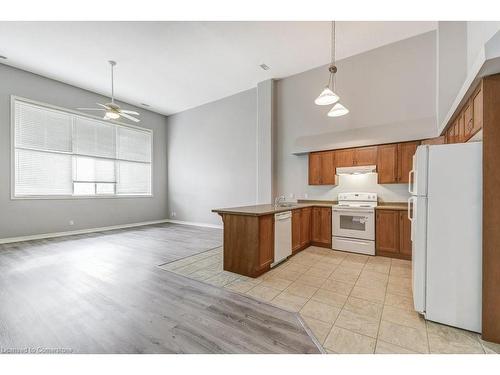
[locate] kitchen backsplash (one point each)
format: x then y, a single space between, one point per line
355 183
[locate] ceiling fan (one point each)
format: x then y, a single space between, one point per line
113 110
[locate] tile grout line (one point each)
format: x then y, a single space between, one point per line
383 306
333 325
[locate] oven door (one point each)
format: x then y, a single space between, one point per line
353 223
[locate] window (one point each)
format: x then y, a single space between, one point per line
59 153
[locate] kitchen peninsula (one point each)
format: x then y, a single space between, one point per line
249 233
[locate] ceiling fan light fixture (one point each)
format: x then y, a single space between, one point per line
327 97
112 115
112 110
338 110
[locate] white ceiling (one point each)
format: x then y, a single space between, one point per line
173 66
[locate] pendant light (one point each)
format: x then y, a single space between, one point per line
328 96
338 110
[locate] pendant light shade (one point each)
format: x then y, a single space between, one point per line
326 97
338 110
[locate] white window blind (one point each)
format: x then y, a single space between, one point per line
42 173
134 145
59 153
94 138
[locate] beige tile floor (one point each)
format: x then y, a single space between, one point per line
352 303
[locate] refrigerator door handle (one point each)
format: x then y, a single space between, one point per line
410 181
411 203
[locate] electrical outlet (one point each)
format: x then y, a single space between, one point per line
306 195
173 214
71 222
292 195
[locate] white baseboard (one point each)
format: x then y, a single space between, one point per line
205 225
102 229
79 231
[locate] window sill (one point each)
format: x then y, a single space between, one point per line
71 197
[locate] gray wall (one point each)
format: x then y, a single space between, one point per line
391 93
212 158
28 217
478 33
265 141
452 63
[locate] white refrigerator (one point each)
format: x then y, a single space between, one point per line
445 210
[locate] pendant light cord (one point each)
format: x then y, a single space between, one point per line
332 48
331 79
112 85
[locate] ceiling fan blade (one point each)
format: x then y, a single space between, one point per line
91 109
130 112
129 117
102 105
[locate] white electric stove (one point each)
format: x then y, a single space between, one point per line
353 223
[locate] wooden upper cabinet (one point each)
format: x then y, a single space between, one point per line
387 231
322 168
387 164
404 234
365 155
454 132
393 162
305 226
477 111
405 159
434 141
468 118
344 158
461 128
328 168
314 168
451 134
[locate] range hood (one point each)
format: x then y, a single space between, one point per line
357 170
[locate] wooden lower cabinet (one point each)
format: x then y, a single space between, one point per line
248 243
404 234
387 231
305 227
392 234
301 229
321 234
296 229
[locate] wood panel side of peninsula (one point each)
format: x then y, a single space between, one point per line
248 243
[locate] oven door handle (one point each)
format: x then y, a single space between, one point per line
358 212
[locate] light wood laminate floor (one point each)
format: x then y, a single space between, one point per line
104 293
353 303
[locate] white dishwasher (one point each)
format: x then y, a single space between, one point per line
282 236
